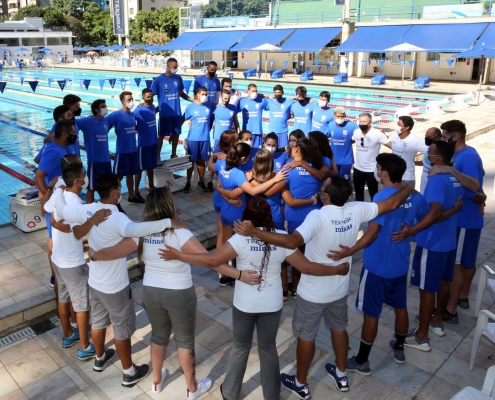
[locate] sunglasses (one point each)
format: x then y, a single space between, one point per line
362 142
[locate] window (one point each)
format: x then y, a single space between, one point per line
11 42
377 56
153 9
54 41
432 56
33 41
131 10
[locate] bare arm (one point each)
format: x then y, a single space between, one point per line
39 180
290 241
253 191
467 181
292 202
365 240
315 173
394 201
301 263
236 124
446 214
185 96
480 198
431 217
122 249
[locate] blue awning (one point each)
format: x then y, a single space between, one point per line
257 38
310 39
187 40
487 39
222 40
444 37
374 39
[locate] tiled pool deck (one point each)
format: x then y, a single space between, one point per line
39 368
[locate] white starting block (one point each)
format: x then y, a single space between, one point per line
164 175
25 210
225 71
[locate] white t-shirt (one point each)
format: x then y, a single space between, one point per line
234 99
107 276
325 230
248 298
366 153
407 149
159 273
67 251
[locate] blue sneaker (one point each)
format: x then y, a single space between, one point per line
289 382
362 369
87 354
342 384
70 341
52 281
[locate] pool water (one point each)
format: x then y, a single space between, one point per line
26 116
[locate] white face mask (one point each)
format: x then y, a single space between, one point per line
339 121
375 173
202 99
397 130
86 182
103 112
249 142
253 95
322 103
130 105
272 149
173 71
118 198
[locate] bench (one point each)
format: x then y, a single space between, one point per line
225 71
421 82
249 72
341 77
164 175
308 75
25 210
379 79
277 74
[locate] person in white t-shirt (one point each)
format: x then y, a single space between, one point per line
407 146
431 135
368 141
168 290
110 294
336 224
235 95
259 305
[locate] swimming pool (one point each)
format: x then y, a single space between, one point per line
26 116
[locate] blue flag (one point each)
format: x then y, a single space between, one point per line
148 82
86 83
61 84
112 82
187 85
234 62
102 82
301 63
436 62
123 84
271 63
338 65
138 81
363 63
331 63
286 63
411 63
346 63
450 62
259 73
319 68
247 62
192 63
22 80
402 62
369 61
50 82
201 61
382 62
317 63
223 62
33 84
258 62
2 86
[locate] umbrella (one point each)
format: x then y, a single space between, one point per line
266 48
22 49
481 52
2 49
45 50
405 47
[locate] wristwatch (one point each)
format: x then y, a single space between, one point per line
92 256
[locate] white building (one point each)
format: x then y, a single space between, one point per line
148 5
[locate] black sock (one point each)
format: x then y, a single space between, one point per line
400 339
364 351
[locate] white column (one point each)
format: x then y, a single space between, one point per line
361 71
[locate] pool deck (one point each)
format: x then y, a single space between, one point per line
37 367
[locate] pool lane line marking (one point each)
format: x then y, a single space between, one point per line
17 175
18 160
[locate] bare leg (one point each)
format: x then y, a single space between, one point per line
160 145
401 320
283 275
340 342
151 178
124 349
90 196
296 275
137 181
98 336
174 140
455 288
305 354
187 361
157 358
63 313
426 306
83 323
467 279
201 170
190 172
220 241
210 179
370 329
442 300
227 233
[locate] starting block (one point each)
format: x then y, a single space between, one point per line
25 210
164 175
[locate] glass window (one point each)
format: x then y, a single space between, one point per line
153 8
33 41
54 41
4 42
432 56
131 10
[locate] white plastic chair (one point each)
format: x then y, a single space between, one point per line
470 393
483 328
487 271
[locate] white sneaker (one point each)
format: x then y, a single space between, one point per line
157 387
203 386
437 330
415 343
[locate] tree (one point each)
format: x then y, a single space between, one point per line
28 12
164 21
221 8
155 37
53 17
72 8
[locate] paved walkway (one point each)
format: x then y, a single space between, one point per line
39 368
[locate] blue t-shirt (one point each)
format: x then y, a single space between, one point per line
303 115
212 85
441 236
279 160
124 124
168 90
224 117
250 163
279 114
71 148
341 141
301 185
326 161
396 262
469 163
321 119
201 117
146 125
275 203
230 180
252 113
95 133
50 162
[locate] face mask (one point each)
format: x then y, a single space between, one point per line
211 74
363 128
397 130
451 141
428 141
130 105
378 179
149 102
173 71
322 103
86 183
119 197
202 99
339 121
249 142
253 95
225 102
77 113
103 112
71 139
278 97
272 149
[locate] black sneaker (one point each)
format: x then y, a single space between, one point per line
120 208
289 383
139 198
202 186
450 318
463 303
174 156
134 200
226 281
210 186
100 365
187 188
142 372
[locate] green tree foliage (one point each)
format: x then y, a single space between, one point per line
221 8
164 21
52 17
72 8
28 12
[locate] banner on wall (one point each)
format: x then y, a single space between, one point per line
226 21
118 10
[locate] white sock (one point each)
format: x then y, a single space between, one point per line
340 374
131 371
298 384
74 325
102 358
89 348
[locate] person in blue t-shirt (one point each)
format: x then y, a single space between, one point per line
340 131
247 137
468 169
126 155
383 280
145 115
252 108
74 104
60 113
328 165
95 130
280 111
210 82
200 113
434 257
169 89
322 113
279 158
302 111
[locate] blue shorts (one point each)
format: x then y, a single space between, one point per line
217 208
95 170
468 241
148 157
48 224
198 150
168 126
283 139
345 171
430 268
216 148
257 141
375 290
292 226
227 222
126 164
